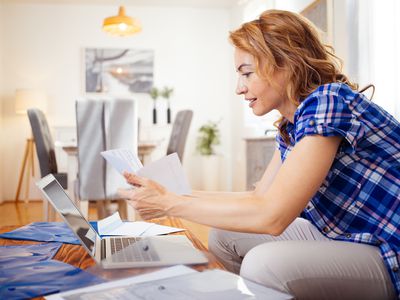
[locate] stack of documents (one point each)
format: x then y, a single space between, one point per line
113 225
177 282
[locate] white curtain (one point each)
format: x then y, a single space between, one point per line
379 51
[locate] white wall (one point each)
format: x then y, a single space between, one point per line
237 150
42 48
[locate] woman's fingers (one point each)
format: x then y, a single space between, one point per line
146 198
125 193
146 213
134 179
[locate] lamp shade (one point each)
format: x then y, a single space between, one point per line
29 98
121 25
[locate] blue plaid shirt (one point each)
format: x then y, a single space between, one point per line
359 200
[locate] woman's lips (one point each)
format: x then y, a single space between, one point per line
252 102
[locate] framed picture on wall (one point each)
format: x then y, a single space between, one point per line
320 13
118 71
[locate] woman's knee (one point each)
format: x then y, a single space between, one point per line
265 265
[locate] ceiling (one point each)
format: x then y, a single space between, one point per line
181 3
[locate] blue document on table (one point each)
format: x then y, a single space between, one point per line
45 232
42 278
11 256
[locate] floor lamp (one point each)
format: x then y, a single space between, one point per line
25 99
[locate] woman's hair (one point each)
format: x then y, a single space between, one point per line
285 41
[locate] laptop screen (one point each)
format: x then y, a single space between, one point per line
72 215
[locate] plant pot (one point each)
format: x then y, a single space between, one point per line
168 115
154 115
210 165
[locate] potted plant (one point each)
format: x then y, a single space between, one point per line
154 94
166 93
208 138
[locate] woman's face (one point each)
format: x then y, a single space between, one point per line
262 96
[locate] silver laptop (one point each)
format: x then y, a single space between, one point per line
119 252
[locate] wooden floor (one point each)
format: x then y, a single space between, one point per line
25 213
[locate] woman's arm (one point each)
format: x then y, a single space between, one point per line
269 174
269 211
297 180
260 186
220 195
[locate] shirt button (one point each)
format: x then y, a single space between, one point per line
308 207
311 123
395 269
378 243
348 235
325 229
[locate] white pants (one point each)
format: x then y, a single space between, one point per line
305 263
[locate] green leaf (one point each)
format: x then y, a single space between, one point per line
209 136
154 93
166 92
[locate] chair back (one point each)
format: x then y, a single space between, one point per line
121 127
179 133
90 138
102 125
45 146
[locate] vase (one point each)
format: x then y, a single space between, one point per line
210 172
168 115
154 114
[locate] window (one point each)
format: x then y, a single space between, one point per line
379 48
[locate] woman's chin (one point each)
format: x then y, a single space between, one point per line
259 112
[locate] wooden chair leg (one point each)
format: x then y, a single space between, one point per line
84 207
122 209
126 211
101 209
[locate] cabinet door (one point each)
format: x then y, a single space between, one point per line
258 154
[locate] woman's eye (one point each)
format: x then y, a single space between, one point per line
247 74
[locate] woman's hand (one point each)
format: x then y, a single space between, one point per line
148 197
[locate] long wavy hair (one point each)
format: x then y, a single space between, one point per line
285 41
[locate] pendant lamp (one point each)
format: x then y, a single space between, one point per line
121 25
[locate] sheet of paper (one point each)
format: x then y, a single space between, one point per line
167 171
159 230
109 224
164 273
209 284
122 160
113 225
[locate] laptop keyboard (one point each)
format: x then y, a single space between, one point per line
144 251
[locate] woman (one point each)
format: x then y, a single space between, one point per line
323 221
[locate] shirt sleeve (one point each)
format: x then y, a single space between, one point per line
329 115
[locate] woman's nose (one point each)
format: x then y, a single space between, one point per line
240 87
